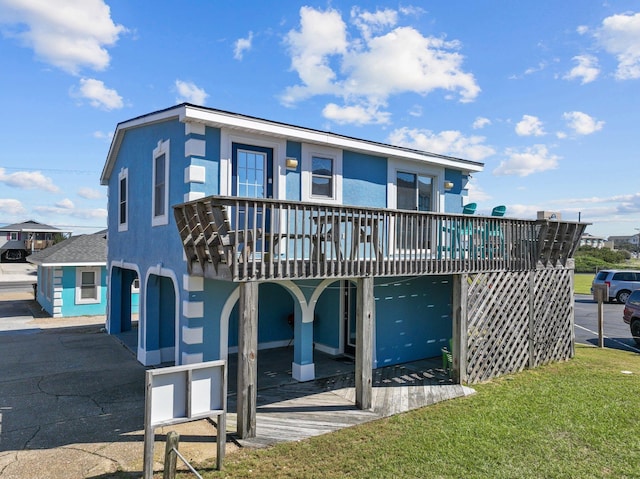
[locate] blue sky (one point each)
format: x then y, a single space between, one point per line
545 93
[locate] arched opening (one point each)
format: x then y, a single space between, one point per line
160 320
124 300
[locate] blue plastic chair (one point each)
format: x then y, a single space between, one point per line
469 208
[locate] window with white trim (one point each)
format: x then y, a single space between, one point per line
160 191
47 281
123 200
13 236
321 174
87 285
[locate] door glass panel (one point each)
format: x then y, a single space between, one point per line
251 174
424 193
406 191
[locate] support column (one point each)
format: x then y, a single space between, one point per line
247 359
365 319
459 327
302 368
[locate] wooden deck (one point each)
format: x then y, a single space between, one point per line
293 411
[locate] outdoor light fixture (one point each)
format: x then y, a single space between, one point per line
448 185
292 163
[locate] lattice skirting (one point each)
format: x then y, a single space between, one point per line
517 320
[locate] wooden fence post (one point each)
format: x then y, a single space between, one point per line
459 331
365 320
170 456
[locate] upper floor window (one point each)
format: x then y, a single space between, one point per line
87 285
414 192
123 185
322 177
160 192
321 174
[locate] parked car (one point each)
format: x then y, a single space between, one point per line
631 315
621 283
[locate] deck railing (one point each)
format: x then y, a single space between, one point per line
244 239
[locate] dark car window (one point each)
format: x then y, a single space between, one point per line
634 299
602 275
624 276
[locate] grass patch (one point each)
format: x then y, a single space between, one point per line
576 419
582 283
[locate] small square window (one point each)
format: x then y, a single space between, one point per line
88 285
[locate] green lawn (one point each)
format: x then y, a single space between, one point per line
576 419
582 283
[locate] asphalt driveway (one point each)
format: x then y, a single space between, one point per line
72 401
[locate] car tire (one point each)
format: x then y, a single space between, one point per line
622 296
635 330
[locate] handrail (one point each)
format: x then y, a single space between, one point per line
245 239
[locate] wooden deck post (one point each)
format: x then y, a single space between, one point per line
459 327
247 359
365 319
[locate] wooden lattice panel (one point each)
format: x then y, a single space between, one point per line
498 326
552 316
517 320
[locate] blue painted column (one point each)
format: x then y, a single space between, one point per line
303 368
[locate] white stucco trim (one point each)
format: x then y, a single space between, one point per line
308 152
158 270
192 283
193 195
192 358
194 147
195 174
224 321
192 335
163 148
303 372
193 309
193 128
394 165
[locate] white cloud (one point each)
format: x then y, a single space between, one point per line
69 34
582 29
581 123
28 180
354 65
356 114
65 204
101 135
529 126
11 207
90 193
451 143
241 45
373 22
476 193
189 92
97 213
620 36
587 69
528 161
98 94
480 122
416 110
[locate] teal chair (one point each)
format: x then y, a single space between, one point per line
447 357
493 235
469 208
499 210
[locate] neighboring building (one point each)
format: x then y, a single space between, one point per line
249 234
594 241
633 240
72 276
21 239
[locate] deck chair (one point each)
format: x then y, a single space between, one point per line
499 210
469 208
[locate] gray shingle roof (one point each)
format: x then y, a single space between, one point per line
81 249
31 226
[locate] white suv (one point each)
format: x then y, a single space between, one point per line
621 283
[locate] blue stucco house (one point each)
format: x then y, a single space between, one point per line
72 277
248 234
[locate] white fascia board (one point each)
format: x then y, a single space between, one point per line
222 119
164 115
